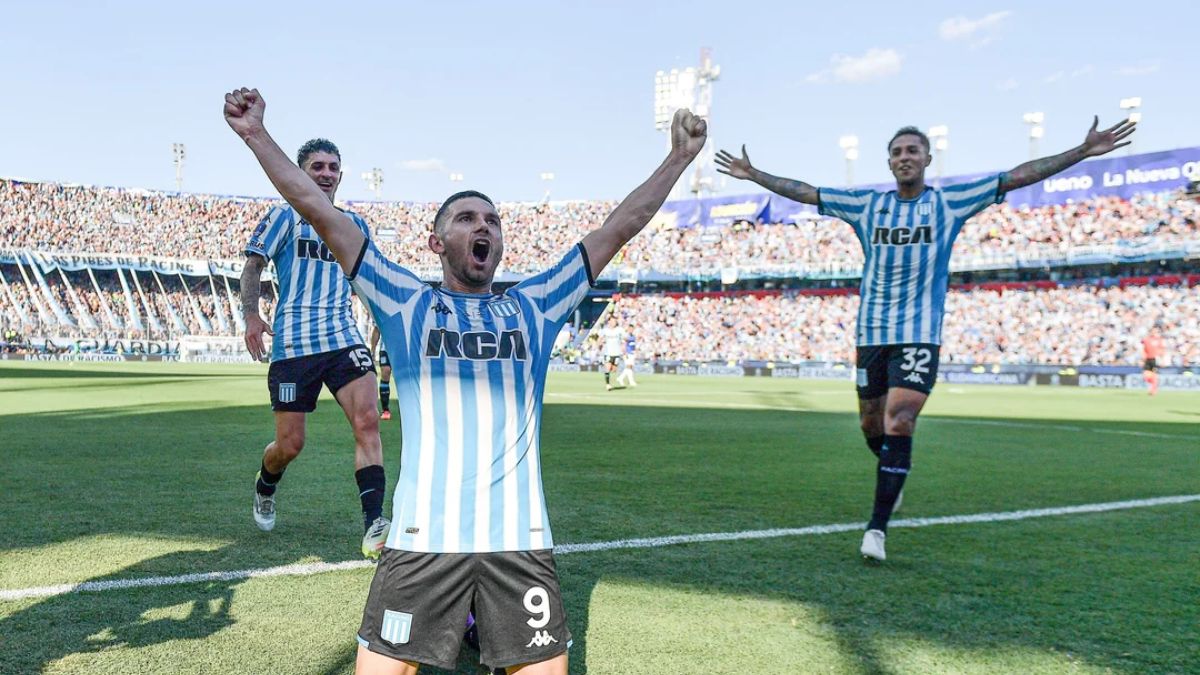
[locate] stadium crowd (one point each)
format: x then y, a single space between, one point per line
63 218
1071 325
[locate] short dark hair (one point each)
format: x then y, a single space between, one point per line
445 207
909 131
316 145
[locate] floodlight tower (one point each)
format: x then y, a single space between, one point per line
374 179
180 153
688 88
849 146
941 142
1036 131
1131 105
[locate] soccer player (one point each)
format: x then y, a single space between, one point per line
612 338
315 342
626 378
907 235
470 516
385 374
1152 349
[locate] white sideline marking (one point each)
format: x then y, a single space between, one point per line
652 542
1057 427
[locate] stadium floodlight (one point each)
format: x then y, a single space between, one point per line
1036 131
940 135
547 176
689 88
180 153
849 146
374 179
456 178
1131 105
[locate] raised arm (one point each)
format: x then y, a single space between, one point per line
251 290
688 134
1095 144
740 167
244 112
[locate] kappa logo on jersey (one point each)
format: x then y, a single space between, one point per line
505 308
541 638
314 250
477 345
914 378
396 627
287 392
902 236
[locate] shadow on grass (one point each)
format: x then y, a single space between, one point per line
91 622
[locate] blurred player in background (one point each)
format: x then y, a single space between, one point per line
1152 351
613 340
626 378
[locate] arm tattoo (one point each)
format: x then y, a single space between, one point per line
1039 169
796 190
251 285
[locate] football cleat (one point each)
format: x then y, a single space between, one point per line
385 415
264 511
376 537
872 545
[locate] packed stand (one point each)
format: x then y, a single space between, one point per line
1079 325
60 218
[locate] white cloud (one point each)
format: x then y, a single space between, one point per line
1063 75
962 28
431 164
1143 68
874 64
1008 85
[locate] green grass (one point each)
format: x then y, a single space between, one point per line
125 471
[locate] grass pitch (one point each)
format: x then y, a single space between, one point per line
116 472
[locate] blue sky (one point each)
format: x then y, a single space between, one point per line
97 92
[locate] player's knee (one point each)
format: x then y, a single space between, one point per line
290 442
871 425
901 422
366 424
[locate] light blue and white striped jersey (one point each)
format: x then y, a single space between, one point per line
907 245
313 314
470 371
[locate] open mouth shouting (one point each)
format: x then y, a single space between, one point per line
481 249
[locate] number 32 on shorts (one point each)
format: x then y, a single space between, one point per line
916 359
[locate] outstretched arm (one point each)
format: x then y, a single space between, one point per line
244 112
688 134
1095 144
740 167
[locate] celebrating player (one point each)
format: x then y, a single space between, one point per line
470 366
907 235
315 342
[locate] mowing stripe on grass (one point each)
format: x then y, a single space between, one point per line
653 542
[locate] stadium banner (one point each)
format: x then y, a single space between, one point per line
78 262
1120 377
68 345
215 349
